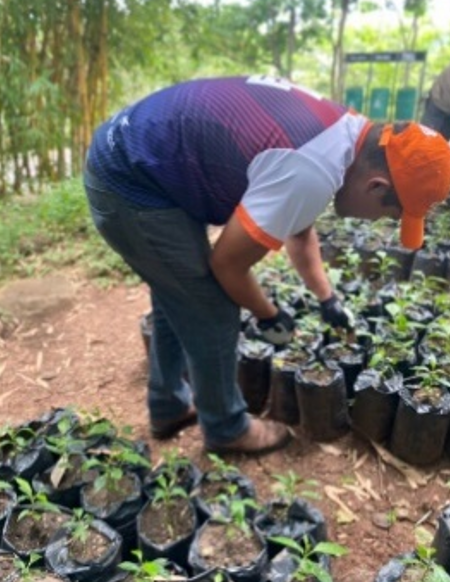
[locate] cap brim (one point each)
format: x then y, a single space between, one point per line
412 231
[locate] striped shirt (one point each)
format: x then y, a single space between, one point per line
262 147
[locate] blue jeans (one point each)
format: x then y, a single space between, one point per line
195 324
436 119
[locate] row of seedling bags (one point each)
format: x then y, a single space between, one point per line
81 502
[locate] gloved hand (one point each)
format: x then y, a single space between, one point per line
334 313
277 330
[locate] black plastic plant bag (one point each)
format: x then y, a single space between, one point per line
283 403
351 358
323 406
65 495
58 556
301 518
176 550
420 430
188 475
9 501
14 543
254 365
431 264
207 508
375 404
394 569
120 513
441 540
284 566
404 258
253 572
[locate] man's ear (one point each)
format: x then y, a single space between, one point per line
378 185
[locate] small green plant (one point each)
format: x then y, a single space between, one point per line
234 513
25 568
424 564
307 554
287 486
220 468
383 266
112 464
167 491
36 503
15 440
78 525
146 570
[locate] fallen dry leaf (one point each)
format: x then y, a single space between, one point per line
346 513
414 477
331 450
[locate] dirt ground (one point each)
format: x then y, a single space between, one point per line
91 356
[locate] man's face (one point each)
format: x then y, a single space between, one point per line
358 200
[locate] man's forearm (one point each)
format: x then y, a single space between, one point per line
304 252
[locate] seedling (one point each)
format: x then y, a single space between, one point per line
112 464
78 525
37 502
15 440
235 515
424 564
220 468
24 568
287 487
144 570
167 491
306 555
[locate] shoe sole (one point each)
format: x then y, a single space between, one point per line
172 430
223 449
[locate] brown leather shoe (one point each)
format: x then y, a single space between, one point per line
166 429
261 437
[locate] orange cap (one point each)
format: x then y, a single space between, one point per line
419 164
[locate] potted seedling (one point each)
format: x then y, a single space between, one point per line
423 411
307 561
176 468
166 524
62 481
290 514
254 364
26 570
85 548
143 570
418 566
322 399
376 395
32 522
230 543
115 494
22 452
222 478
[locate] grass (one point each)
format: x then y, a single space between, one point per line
44 233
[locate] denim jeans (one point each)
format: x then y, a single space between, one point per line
195 324
436 119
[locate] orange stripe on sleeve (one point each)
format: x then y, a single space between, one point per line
252 229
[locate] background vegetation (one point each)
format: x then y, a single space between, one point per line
65 65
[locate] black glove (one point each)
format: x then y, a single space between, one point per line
277 330
334 313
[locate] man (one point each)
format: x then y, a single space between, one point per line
264 158
437 106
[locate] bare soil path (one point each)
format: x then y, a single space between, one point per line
90 355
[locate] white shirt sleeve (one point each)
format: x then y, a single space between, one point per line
289 188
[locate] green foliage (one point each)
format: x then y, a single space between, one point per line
306 556
36 503
54 230
424 563
79 524
288 486
145 570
